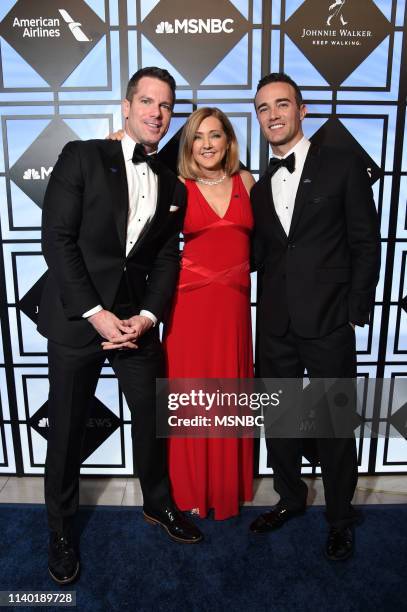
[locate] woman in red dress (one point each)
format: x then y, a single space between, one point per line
209 331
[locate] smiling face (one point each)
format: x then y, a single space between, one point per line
149 112
210 145
280 116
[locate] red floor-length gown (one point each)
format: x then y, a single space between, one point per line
209 336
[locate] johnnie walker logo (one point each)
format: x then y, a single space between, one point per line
337 36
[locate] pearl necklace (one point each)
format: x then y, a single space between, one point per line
209 182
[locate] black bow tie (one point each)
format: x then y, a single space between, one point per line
276 163
140 156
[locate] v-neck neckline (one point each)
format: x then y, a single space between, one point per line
211 207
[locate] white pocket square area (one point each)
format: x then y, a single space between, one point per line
173 208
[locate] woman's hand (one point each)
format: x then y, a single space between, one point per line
119 135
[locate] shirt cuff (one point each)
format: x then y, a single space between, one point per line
149 315
91 312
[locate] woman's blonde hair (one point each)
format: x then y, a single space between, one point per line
187 166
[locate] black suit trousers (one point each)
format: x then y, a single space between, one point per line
331 356
73 375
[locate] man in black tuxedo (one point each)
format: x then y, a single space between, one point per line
111 221
317 242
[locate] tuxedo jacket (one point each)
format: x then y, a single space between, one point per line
84 226
324 273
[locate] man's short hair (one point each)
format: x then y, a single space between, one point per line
281 77
153 72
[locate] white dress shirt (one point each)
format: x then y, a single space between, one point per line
284 184
142 185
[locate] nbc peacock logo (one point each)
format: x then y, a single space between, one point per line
164 27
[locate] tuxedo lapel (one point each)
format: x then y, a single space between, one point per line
305 186
119 196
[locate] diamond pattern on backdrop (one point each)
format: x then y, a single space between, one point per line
51 39
336 37
32 170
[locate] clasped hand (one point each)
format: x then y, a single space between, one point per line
119 334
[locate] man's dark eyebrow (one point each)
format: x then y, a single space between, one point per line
277 101
261 105
150 99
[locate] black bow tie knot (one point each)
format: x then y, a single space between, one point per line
140 156
276 163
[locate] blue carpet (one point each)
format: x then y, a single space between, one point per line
130 565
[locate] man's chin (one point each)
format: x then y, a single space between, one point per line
276 141
151 144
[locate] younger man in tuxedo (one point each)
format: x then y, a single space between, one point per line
111 221
318 244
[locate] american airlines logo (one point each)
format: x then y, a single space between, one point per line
52 36
36 175
74 26
49 27
195 26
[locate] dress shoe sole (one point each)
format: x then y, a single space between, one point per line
66 580
154 521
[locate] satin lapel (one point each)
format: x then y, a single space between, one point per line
119 195
305 186
268 196
162 207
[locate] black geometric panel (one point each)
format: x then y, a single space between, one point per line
337 36
52 37
32 170
399 420
334 133
208 30
29 303
102 423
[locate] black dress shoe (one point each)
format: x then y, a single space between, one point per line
63 563
340 544
275 518
177 525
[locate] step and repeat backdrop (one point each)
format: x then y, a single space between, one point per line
63 71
